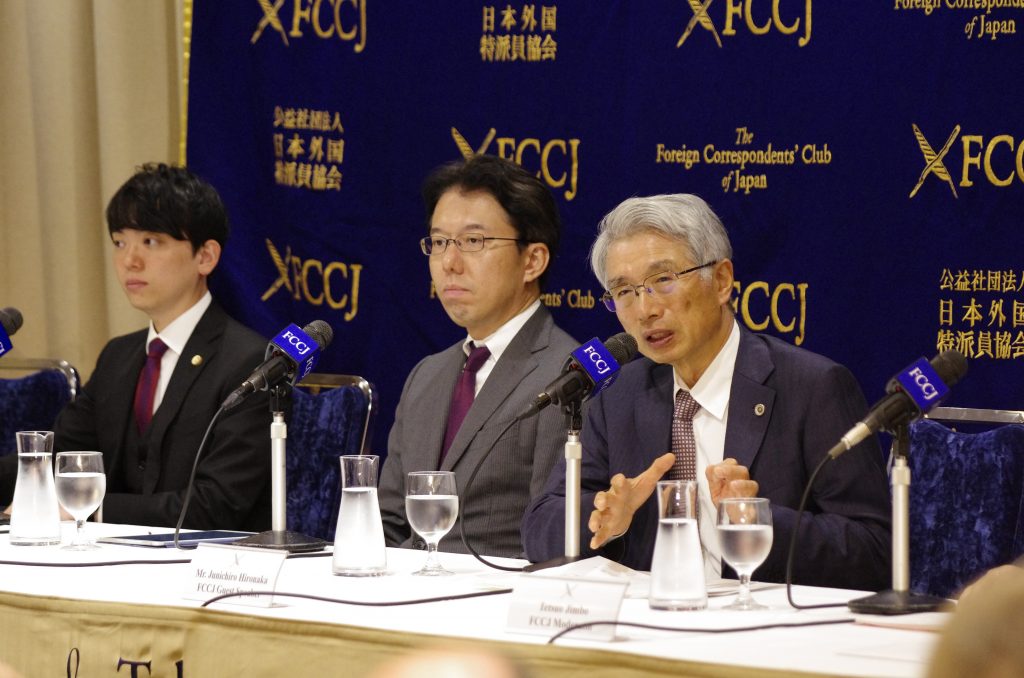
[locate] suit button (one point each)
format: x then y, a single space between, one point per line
419 544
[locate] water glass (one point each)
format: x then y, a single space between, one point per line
745 537
431 507
677 570
359 539
81 484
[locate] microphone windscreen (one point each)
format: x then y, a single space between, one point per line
951 366
11 319
622 346
320 332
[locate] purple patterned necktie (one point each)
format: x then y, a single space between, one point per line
145 390
462 396
684 445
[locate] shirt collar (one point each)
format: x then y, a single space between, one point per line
712 389
177 333
499 340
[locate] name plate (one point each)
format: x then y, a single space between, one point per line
223 568
543 605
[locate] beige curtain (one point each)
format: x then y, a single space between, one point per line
89 89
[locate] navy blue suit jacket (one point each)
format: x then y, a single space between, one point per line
808 402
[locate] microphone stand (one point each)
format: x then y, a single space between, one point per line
573 467
899 599
279 537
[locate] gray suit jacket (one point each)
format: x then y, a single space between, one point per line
517 464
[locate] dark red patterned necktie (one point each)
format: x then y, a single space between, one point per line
145 390
463 395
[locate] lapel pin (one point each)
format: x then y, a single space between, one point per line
759 409
197 360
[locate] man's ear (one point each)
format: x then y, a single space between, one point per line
208 256
722 278
537 259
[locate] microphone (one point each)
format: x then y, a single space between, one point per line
590 369
916 389
291 355
10 322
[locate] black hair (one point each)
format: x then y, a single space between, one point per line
167 199
527 200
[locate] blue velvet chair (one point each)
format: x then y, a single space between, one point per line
965 503
32 400
331 416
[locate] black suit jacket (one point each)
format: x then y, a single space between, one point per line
787 408
232 484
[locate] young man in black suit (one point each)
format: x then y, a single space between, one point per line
154 392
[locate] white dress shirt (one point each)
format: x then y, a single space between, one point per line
175 335
712 393
498 341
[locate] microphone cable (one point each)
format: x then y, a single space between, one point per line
465 492
793 539
191 480
363 603
169 561
734 629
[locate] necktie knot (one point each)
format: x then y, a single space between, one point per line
477 357
157 348
686 406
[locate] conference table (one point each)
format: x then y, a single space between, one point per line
121 610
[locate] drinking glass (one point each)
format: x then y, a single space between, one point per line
81 484
677 568
431 506
35 515
745 536
359 538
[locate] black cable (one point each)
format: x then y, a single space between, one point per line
653 627
192 477
364 603
175 561
465 494
792 542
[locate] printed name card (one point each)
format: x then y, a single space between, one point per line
544 605
222 568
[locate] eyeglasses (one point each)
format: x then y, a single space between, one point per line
622 296
467 242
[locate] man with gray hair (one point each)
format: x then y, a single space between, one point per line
741 413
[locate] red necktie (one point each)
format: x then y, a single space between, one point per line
684 445
145 390
463 395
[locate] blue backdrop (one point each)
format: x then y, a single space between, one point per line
866 158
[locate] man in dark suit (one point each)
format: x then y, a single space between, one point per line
153 393
493 230
760 413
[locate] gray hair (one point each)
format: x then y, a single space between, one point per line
680 216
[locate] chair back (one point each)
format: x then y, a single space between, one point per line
966 497
331 415
32 396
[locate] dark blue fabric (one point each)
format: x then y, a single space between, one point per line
322 428
965 504
30 403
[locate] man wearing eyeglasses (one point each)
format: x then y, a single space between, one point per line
493 230
742 414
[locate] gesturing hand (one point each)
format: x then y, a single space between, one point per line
614 508
729 479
